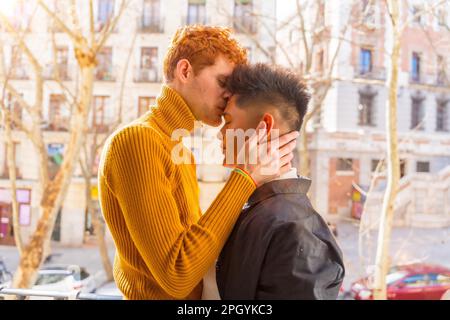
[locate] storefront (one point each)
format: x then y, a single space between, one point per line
23 196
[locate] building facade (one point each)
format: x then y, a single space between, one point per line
128 79
348 137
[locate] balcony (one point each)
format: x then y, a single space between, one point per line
244 24
150 26
442 79
189 20
105 74
100 25
5 173
18 73
146 75
60 72
376 73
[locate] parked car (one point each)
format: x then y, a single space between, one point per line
5 274
417 281
62 278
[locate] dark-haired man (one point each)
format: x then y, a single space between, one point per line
280 247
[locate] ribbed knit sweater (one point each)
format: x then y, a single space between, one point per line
164 245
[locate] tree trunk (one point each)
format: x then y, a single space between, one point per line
99 230
387 214
54 192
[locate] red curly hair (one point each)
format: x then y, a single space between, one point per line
201 45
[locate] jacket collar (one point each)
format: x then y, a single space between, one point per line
171 112
269 189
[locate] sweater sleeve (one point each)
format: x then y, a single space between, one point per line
139 175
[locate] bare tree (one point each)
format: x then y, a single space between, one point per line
88 165
55 188
393 169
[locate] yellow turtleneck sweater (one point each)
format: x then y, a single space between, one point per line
151 206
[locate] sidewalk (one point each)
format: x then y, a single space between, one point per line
407 245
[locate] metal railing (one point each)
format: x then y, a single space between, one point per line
56 295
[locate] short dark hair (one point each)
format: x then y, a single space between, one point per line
263 85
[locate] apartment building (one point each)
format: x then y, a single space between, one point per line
128 79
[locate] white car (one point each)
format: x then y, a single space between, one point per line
64 278
61 278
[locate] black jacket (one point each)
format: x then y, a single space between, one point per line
280 248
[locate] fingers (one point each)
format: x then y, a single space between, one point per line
288 137
288 148
259 136
286 159
285 168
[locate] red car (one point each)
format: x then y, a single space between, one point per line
408 282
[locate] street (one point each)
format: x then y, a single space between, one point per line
407 245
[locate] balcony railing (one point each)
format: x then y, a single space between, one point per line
146 75
186 20
244 24
105 74
152 26
5 174
52 72
18 73
376 73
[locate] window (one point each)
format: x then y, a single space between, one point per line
148 65
58 113
321 13
365 109
344 164
375 163
441 66
58 6
423 166
55 153
415 67
18 70
104 71
442 17
383 165
243 16
144 104
416 15
102 114
417 114
21 15
62 61
105 13
439 279
442 115
365 61
368 12
16 151
13 105
196 12
416 280
151 16
320 64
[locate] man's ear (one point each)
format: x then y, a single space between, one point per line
183 70
268 119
